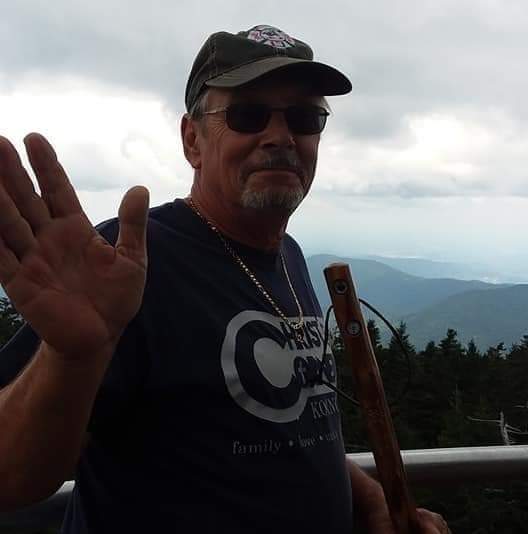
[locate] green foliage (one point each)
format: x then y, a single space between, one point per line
10 321
451 386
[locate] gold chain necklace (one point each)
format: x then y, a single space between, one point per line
296 326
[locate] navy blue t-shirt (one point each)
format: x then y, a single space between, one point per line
207 420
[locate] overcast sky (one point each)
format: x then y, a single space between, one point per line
427 157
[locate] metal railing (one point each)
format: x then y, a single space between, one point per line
463 465
426 467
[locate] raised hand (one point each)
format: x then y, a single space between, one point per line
76 291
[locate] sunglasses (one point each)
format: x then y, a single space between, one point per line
253 118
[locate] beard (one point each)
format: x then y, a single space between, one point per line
284 198
278 199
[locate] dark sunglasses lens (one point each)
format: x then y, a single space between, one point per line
247 118
306 120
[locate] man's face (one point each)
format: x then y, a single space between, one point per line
272 169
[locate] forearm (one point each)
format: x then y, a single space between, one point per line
367 494
43 419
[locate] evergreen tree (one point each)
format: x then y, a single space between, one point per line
472 349
451 384
353 429
396 363
374 334
10 321
515 400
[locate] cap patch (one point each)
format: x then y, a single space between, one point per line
270 36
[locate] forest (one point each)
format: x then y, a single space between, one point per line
437 394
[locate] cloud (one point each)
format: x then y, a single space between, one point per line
438 116
457 153
449 53
107 140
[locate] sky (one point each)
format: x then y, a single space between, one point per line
427 157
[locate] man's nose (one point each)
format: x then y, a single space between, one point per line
277 132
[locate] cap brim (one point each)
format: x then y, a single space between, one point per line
326 80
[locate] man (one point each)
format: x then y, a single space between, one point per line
181 394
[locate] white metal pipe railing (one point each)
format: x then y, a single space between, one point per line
425 467
463 465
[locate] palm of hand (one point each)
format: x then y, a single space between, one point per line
77 291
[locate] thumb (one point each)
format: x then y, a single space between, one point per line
133 215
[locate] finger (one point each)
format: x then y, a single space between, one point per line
9 264
431 522
55 187
133 216
14 229
20 187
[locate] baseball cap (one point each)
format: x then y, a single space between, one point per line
231 60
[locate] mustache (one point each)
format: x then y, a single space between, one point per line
277 159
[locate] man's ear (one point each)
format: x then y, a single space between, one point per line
191 147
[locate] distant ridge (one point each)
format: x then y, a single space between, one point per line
488 313
439 269
394 292
488 317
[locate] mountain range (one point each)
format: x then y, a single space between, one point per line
487 313
444 269
488 317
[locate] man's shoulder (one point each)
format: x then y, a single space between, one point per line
156 213
291 246
171 215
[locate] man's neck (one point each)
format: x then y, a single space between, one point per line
260 229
